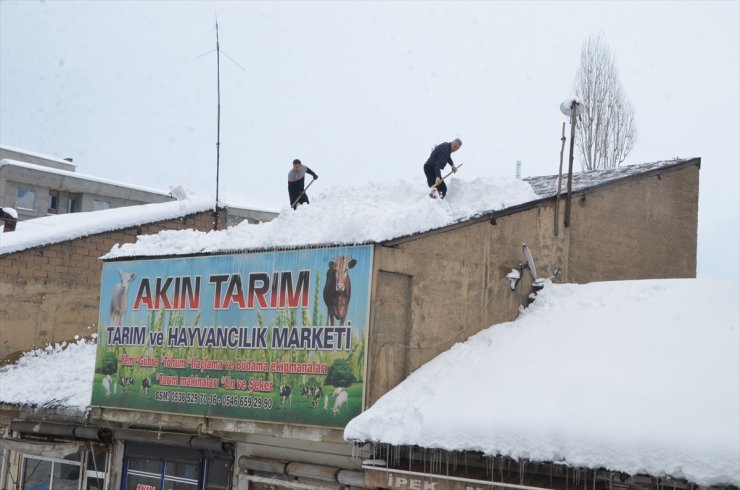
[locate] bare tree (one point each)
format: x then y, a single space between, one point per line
607 131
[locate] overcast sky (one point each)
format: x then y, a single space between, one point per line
361 91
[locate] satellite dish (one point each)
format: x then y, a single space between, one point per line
530 261
566 106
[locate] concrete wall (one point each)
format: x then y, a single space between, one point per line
437 290
51 293
640 228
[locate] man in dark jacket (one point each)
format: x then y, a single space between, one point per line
296 180
441 156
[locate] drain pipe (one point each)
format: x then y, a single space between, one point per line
61 430
333 476
285 484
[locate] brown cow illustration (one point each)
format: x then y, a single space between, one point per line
338 288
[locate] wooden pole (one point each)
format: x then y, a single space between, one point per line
573 107
218 125
560 181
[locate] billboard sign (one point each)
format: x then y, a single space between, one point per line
275 336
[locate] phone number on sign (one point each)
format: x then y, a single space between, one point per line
212 399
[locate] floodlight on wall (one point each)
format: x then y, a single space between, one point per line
572 104
516 274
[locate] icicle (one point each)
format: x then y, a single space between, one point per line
551 475
522 471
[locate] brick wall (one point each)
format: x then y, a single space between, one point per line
51 293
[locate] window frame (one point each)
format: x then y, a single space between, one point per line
53 196
53 461
101 201
81 464
19 204
74 203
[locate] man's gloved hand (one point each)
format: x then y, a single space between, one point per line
438 181
454 169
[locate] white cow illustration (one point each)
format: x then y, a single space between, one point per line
119 299
340 401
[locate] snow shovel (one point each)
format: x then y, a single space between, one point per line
295 203
433 189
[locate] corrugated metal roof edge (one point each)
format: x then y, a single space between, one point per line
240 251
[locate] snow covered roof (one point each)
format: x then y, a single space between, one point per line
62 227
632 376
10 212
75 175
371 213
20 382
38 155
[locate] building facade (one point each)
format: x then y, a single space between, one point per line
418 295
39 185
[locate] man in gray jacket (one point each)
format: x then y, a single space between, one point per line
296 181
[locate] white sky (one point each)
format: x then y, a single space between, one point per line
634 376
361 91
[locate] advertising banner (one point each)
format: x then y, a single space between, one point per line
273 336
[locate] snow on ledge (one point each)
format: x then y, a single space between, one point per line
632 376
62 227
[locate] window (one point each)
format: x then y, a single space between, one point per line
100 205
41 473
172 468
73 205
44 473
26 199
146 473
95 469
53 202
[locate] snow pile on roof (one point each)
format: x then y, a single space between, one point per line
10 212
56 376
57 228
632 376
373 212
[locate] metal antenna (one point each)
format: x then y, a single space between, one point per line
218 124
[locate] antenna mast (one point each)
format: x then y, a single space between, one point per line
218 124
